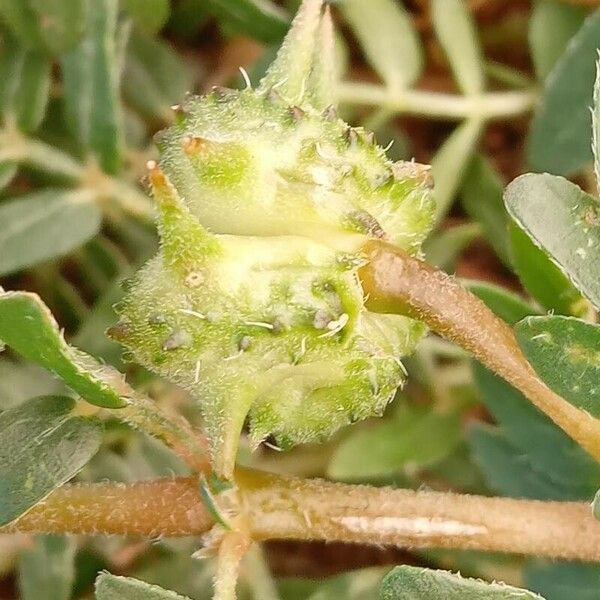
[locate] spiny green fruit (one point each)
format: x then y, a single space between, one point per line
253 304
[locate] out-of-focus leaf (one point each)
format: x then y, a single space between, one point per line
58 445
140 457
563 220
504 304
44 225
444 249
111 587
260 19
389 40
91 336
187 18
508 470
551 25
8 170
151 15
357 585
548 449
456 32
20 381
481 193
181 573
154 78
27 326
91 87
50 25
541 277
414 438
565 352
596 505
47 570
418 583
564 581
560 135
25 76
449 164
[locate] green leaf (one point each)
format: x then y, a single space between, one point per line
456 32
560 135
27 326
111 587
481 193
449 164
47 570
260 19
25 76
180 573
418 583
414 438
43 446
564 580
504 304
8 170
20 381
551 25
45 225
542 278
596 505
154 78
91 88
53 26
508 471
565 352
150 15
388 38
357 585
444 249
563 220
547 448
91 336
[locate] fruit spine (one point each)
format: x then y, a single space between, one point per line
253 302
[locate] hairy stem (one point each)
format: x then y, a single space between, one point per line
397 282
289 508
16 147
493 105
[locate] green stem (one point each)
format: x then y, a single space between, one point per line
15 147
452 107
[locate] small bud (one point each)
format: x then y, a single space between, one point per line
245 343
194 279
157 319
321 319
179 114
296 113
223 93
330 113
119 331
178 339
367 223
351 136
193 145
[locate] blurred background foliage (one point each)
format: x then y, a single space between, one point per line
483 90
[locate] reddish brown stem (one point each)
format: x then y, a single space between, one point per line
288 508
398 283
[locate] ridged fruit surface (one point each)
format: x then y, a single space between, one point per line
253 304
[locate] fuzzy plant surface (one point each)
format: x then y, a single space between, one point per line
265 199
